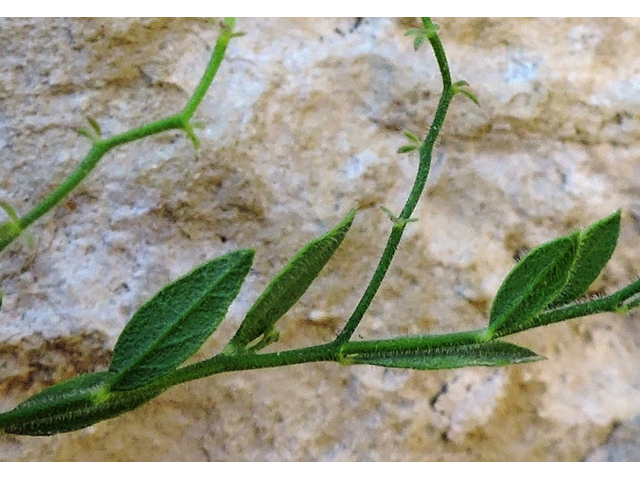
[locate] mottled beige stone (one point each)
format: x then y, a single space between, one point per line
301 124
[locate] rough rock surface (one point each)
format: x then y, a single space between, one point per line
302 124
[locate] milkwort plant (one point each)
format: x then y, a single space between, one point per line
546 286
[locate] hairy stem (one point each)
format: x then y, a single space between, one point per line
329 352
426 151
101 147
612 303
339 352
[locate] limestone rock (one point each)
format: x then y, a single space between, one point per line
303 122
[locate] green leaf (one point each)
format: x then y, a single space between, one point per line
289 285
534 282
594 251
86 133
414 31
9 231
95 125
459 87
396 219
188 129
418 41
72 405
10 211
470 95
412 137
407 148
389 213
171 326
489 354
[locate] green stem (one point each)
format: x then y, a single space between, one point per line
339 352
222 363
426 151
101 147
611 303
212 69
328 352
402 345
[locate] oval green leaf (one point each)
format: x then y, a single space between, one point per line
534 282
173 325
489 354
72 405
289 285
594 251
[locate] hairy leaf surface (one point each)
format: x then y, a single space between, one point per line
72 405
171 326
594 251
290 284
489 354
534 282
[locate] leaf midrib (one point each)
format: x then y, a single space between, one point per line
530 286
165 333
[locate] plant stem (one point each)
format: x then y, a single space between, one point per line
101 147
611 303
426 151
339 352
212 69
328 352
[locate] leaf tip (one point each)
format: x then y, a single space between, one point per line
249 252
616 216
95 125
411 136
86 133
348 220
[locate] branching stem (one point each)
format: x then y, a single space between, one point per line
426 151
100 147
341 350
328 352
334 352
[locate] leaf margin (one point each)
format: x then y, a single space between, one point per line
557 258
134 369
256 323
493 353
